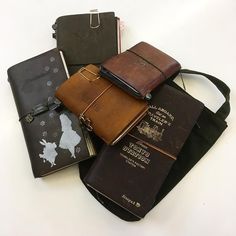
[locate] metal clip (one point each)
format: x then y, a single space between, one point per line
29 118
91 72
148 96
91 19
86 121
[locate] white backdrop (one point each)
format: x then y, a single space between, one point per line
201 35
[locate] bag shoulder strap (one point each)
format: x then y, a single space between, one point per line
224 110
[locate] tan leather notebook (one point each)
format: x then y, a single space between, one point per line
101 106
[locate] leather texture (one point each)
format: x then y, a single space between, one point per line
137 170
83 45
140 69
146 154
164 126
106 108
46 126
203 136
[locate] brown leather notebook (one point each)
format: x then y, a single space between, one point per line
140 69
131 172
100 105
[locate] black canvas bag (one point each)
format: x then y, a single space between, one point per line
205 133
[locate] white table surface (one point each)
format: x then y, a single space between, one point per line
201 35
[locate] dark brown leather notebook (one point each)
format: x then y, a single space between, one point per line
140 69
53 135
87 38
132 172
103 107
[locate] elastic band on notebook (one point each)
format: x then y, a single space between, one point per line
147 62
95 99
154 147
83 119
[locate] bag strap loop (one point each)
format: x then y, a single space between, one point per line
224 110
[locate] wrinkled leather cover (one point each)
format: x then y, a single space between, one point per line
141 161
209 128
34 82
83 45
170 119
140 69
111 114
129 173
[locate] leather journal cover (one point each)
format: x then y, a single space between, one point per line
53 135
131 172
140 69
87 38
100 105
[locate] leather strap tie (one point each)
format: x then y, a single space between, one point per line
39 109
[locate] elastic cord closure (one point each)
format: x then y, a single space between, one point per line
148 62
154 147
86 121
91 72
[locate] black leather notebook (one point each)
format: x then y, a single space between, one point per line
131 172
53 135
87 38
